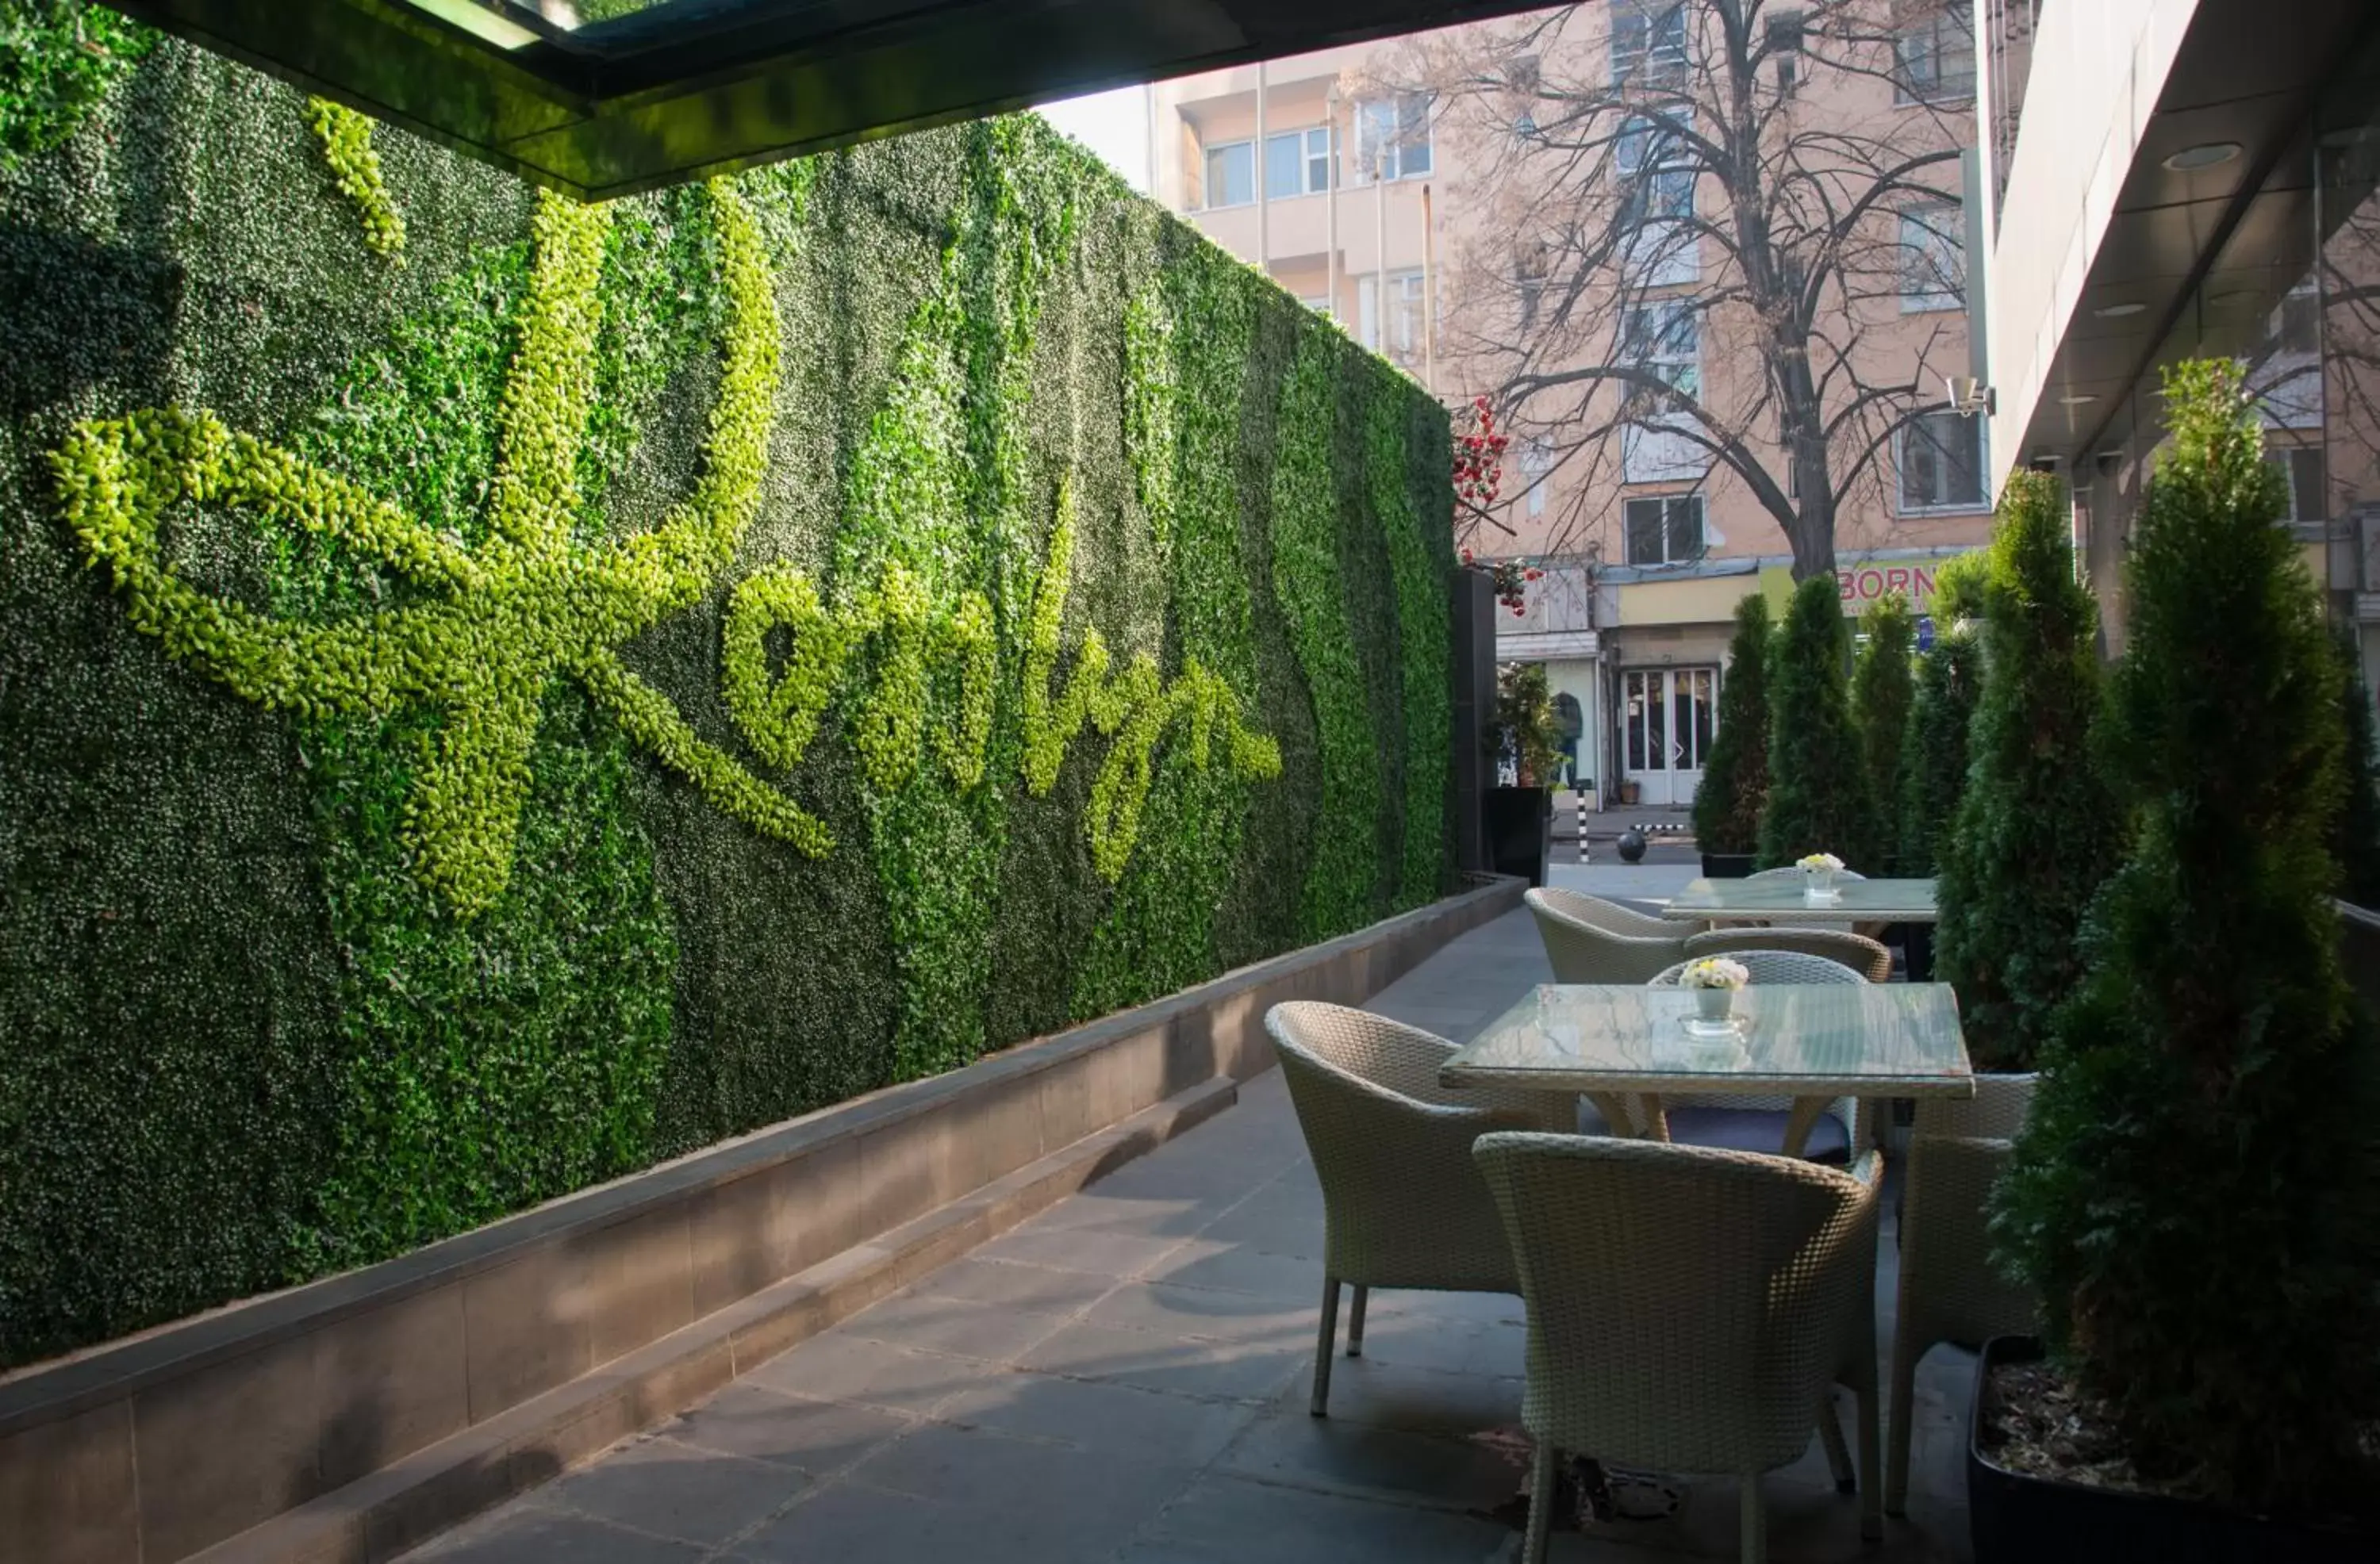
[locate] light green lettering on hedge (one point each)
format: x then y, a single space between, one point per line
527 607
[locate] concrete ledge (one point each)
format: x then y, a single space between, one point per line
347 1417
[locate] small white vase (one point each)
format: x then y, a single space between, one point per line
1713 1006
1818 886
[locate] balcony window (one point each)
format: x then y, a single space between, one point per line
1392 138
1536 465
1932 258
1934 57
1668 530
1665 338
1648 42
1942 460
1231 173
1297 162
1406 318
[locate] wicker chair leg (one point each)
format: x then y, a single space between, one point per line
1838 1453
1753 1549
1328 1344
1545 1471
1355 1321
1870 1444
1897 1429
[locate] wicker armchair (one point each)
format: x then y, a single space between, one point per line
1950 1291
1589 939
1867 957
1766 965
1688 1310
1757 1124
1404 1204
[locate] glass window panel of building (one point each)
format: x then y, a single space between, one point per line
1940 458
1648 41
1664 531
1297 162
1406 316
1232 173
1392 137
1932 258
1934 54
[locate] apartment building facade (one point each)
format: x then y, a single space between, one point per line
1394 188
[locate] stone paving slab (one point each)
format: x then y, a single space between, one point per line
1123 1380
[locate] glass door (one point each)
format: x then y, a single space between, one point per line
1668 716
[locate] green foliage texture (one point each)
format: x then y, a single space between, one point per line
1525 720
2193 1193
1819 799
1882 690
1735 778
1934 758
631 674
2038 829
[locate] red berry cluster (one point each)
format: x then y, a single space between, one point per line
1512 579
1479 456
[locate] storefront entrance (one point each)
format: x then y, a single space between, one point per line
1667 715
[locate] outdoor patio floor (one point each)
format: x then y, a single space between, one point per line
1125 1377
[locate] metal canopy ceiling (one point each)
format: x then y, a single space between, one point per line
603 98
2208 254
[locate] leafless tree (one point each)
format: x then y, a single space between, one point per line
1652 173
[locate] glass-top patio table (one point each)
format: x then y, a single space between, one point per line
1815 1042
1861 900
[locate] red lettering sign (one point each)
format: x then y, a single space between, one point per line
1897 580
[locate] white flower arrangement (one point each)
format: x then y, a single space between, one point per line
1826 861
1715 972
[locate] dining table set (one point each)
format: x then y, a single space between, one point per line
1696 1248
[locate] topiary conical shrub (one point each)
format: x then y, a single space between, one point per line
1817 792
1881 692
1735 777
1934 758
2036 831
2193 1195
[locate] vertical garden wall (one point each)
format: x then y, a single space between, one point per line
496 693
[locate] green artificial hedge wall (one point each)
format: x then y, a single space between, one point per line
496 693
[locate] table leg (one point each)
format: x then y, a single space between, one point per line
1617 1114
1652 1116
1804 1119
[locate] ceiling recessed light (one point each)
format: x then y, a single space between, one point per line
2117 311
2077 399
2213 154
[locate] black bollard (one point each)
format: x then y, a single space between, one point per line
1632 846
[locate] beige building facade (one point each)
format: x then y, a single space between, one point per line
1392 209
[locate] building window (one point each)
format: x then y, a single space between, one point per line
1664 531
1405 319
1536 465
1297 162
2301 467
1392 137
1231 173
1934 56
1319 304
1665 337
1529 283
1522 80
1648 41
1932 258
1941 461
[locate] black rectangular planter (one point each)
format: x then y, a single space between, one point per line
1727 866
2014 1518
1520 831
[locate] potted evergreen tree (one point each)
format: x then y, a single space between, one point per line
1817 791
1735 777
2194 1195
1519 820
2036 829
1881 692
1934 756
